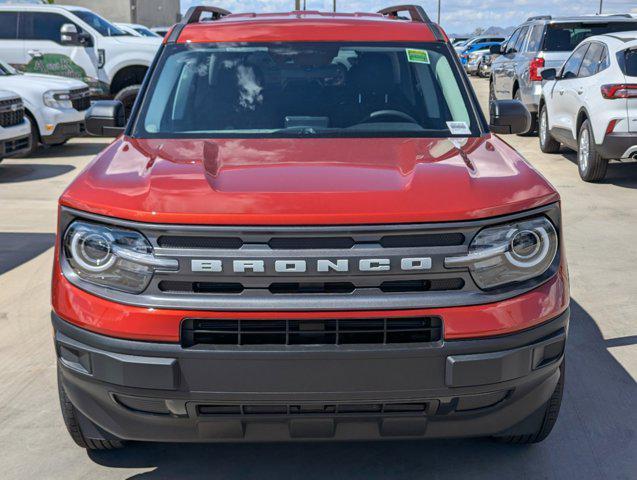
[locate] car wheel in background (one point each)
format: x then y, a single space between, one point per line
547 143
127 96
592 167
533 127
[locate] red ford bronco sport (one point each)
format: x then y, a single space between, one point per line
307 230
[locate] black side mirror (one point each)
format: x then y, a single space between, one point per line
508 117
495 49
106 118
549 74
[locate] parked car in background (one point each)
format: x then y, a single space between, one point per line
590 104
484 69
465 52
55 106
475 59
543 42
77 43
458 41
161 31
137 30
15 129
480 39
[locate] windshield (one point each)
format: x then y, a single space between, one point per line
144 32
103 26
564 37
6 69
274 90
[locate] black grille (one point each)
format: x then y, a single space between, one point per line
374 331
313 243
13 146
312 409
11 112
400 286
81 99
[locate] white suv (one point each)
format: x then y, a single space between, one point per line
590 105
75 42
15 130
54 106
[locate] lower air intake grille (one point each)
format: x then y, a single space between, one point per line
313 410
374 331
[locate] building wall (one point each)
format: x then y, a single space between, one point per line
113 10
152 13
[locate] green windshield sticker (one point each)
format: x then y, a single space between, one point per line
417 56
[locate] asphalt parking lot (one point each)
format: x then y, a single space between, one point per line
596 435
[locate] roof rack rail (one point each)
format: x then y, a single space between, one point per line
193 15
540 17
416 12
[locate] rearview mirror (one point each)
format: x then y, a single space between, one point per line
508 117
549 74
106 118
495 49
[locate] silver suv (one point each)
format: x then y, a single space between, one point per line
539 43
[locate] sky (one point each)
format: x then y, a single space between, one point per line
457 16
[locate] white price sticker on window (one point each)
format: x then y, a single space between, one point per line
458 128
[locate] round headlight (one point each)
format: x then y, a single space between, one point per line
510 253
92 251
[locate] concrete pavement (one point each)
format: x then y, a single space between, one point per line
596 435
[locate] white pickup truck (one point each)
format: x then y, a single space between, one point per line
75 42
15 130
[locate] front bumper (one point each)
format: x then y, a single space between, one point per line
163 392
64 132
616 146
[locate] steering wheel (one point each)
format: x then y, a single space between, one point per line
374 116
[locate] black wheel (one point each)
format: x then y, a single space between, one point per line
127 96
533 126
549 419
34 140
73 420
547 143
592 167
491 91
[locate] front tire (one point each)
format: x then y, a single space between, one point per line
592 167
73 420
127 96
549 419
547 143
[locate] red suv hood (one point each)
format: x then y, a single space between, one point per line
307 181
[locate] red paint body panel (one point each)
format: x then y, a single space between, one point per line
306 27
307 181
107 318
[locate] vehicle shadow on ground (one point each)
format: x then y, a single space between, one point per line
76 148
19 248
595 438
618 173
29 172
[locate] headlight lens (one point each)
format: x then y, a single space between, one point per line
58 99
510 253
112 257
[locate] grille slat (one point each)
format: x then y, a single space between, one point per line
81 99
296 410
311 243
11 112
380 331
